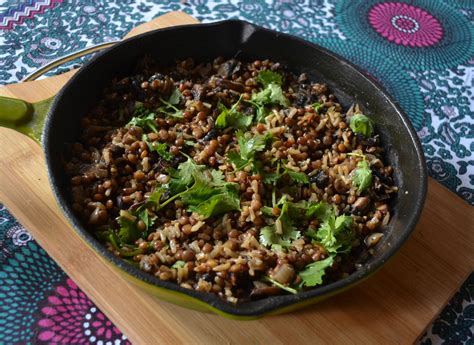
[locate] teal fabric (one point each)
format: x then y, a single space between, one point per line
428 68
422 51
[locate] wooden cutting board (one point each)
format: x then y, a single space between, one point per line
392 307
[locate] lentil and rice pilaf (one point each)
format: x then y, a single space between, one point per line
236 178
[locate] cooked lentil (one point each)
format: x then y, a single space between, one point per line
312 193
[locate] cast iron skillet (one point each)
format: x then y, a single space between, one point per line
234 38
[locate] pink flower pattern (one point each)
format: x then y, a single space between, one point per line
405 24
70 317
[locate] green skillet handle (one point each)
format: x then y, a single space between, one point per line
28 118
24 117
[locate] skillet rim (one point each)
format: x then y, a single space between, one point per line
214 303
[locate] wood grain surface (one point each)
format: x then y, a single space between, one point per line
392 307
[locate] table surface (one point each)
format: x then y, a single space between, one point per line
446 95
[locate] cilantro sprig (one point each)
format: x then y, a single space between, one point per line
362 175
313 273
169 106
232 117
335 232
143 118
361 124
203 191
267 77
272 93
123 239
249 145
161 148
146 119
316 106
282 232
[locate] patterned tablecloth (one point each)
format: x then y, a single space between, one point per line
421 50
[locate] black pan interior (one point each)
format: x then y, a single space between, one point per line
246 41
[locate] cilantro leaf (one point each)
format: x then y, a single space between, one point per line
269 237
183 177
282 233
145 216
360 123
179 264
175 97
320 210
297 177
128 232
168 108
335 233
249 145
313 273
201 190
218 203
267 77
155 196
316 106
144 120
270 178
271 94
362 176
261 113
209 195
232 117
160 148
238 161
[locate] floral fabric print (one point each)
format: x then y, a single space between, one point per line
422 51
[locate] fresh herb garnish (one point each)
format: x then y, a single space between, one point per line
128 232
144 119
360 123
160 148
146 218
226 199
260 113
321 210
209 194
316 106
283 232
183 176
178 264
169 106
335 233
271 93
249 145
268 77
313 273
125 250
362 176
297 177
175 97
232 117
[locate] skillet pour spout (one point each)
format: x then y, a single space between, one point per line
245 41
